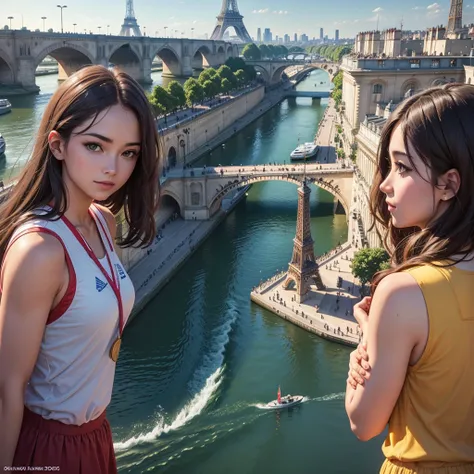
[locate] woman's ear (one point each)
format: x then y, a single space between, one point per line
56 144
449 184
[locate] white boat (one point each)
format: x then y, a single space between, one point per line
285 402
307 150
2 145
5 106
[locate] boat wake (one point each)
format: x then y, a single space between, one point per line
205 384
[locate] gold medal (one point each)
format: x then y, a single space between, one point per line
115 349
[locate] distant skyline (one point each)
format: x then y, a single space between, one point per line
282 17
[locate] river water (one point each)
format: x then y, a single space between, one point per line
199 361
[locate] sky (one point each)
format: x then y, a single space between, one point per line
281 16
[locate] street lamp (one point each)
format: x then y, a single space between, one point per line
10 18
43 18
99 29
74 24
61 7
108 26
192 33
144 31
165 31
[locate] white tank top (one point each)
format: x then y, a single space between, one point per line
73 377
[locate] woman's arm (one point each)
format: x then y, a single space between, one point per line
32 276
396 325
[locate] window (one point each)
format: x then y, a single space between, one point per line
435 63
414 63
377 89
452 63
381 63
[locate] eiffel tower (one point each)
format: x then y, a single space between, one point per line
130 26
455 16
230 16
303 267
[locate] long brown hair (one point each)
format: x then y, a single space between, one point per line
438 124
83 96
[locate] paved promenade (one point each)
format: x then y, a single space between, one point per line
328 313
325 135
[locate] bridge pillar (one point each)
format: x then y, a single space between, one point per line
25 73
338 207
187 66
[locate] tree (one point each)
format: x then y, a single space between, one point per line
194 94
241 77
176 91
161 100
210 89
224 72
235 64
367 262
264 51
206 75
226 86
251 51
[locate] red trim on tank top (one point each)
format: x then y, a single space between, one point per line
68 297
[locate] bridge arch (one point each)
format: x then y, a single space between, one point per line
70 56
276 76
229 52
170 59
127 59
201 57
169 199
6 69
234 183
263 72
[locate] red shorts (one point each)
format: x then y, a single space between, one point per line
68 449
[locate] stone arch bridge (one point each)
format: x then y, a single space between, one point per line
272 70
22 51
198 192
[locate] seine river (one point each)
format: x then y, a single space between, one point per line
199 361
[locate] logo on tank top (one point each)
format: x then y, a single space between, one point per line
99 284
120 271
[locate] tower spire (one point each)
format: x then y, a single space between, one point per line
229 16
303 267
130 26
455 17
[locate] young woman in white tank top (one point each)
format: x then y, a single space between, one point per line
65 296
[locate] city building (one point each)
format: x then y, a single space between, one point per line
296 38
286 39
336 35
304 38
267 36
259 35
321 34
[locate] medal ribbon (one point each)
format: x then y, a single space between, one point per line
113 282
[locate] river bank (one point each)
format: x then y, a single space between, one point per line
167 256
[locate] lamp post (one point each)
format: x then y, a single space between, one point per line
144 31
99 29
192 33
108 26
44 18
165 31
10 18
74 24
61 7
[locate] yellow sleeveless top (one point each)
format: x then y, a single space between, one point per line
431 428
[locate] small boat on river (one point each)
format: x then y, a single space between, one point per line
301 152
5 106
284 402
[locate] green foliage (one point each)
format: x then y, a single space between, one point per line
176 91
251 51
367 262
206 75
194 92
296 49
211 89
332 52
235 64
264 51
336 93
226 86
241 77
161 100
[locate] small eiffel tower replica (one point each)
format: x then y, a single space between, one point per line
303 269
230 16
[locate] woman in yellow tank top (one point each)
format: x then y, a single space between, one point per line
416 368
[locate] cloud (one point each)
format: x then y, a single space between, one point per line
377 10
280 12
433 6
264 10
416 8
